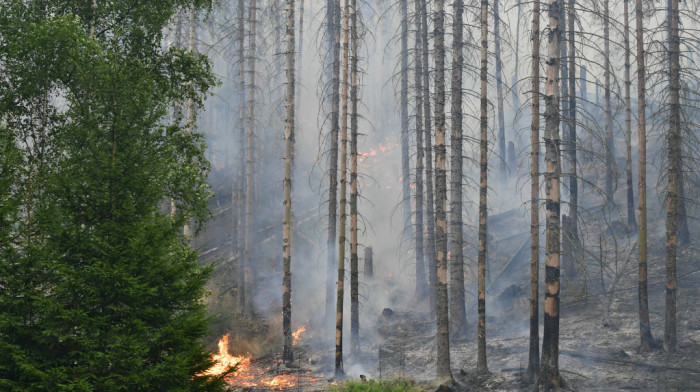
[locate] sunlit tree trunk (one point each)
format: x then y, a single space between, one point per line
533 363
631 221
429 188
609 140
458 313
333 22
354 280
443 338
287 355
422 288
549 371
499 90
674 150
646 340
483 188
343 200
405 165
248 251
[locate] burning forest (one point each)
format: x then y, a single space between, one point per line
333 195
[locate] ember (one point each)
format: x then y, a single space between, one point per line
297 335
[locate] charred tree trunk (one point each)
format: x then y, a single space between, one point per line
354 281
250 165
646 340
631 221
343 200
549 372
443 338
422 288
609 140
499 90
483 171
674 152
287 355
333 23
458 313
405 165
429 188
369 263
533 363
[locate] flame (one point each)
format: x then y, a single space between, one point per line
250 373
297 335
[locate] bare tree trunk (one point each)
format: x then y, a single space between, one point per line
631 221
422 288
499 90
354 280
674 150
248 252
573 161
458 313
533 363
429 188
301 51
514 80
646 340
343 200
287 354
333 22
549 372
242 181
483 187
369 263
444 372
609 140
405 164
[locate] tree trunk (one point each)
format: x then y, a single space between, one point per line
549 372
301 51
631 221
354 280
422 288
405 165
443 373
483 171
242 181
646 340
514 80
287 355
248 252
674 150
333 22
369 263
573 160
458 313
609 140
429 188
533 363
343 200
499 90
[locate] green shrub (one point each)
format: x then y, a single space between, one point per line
378 386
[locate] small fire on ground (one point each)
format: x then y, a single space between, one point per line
256 373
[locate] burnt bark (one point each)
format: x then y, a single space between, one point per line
629 187
354 279
481 366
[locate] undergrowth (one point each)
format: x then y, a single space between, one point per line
378 386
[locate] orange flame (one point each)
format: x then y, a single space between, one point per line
249 373
297 335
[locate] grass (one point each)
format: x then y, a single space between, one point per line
378 386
